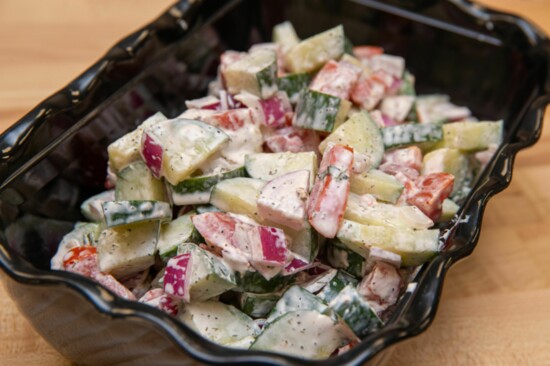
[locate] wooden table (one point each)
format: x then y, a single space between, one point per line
495 308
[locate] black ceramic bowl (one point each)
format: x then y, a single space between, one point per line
55 156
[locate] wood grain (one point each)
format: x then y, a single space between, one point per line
496 304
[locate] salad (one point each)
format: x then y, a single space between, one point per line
288 209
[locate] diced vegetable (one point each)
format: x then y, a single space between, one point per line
136 182
293 84
429 193
336 285
197 190
177 276
128 249
220 323
255 282
255 73
360 133
381 185
257 305
338 256
175 148
472 136
126 149
312 53
381 287
119 213
296 298
355 311
450 161
336 78
397 107
285 35
92 208
209 275
409 133
283 199
368 91
267 166
320 112
176 232
414 246
238 195
302 333
328 198
160 300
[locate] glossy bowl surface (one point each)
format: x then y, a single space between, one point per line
55 156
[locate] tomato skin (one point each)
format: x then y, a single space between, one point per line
328 199
336 78
366 52
429 193
367 92
77 254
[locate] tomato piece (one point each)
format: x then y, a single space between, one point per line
77 254
367 92
217 228
329 196
365 52
293 139
409 156
232 119
431 191
336 78
112 284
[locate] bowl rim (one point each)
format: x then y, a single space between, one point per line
418 305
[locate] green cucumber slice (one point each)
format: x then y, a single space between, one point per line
257 305
319 111
238 195
176 232
362 134
254 282
338 256
267 166
471 136
197 190
296 298
411 133
293 84
312 53
355 311
220 323
414 246
129 249
384 187
210 276
255 73
136 182
303 333
118 213
285 35
336 285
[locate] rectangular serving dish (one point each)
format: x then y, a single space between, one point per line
55 156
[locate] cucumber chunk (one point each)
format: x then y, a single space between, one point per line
92 208
197 190
450 208
176 232
447 160
255 282
355 311
136 182
285 35
414 246
362 134
220 323
210 276
118 213
293 84
383 186
267 166
312 53
472 136
338 256
302 333
126 149
296 298
255 73
336 285
257 305
126 250
319 111
238 195
411 133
